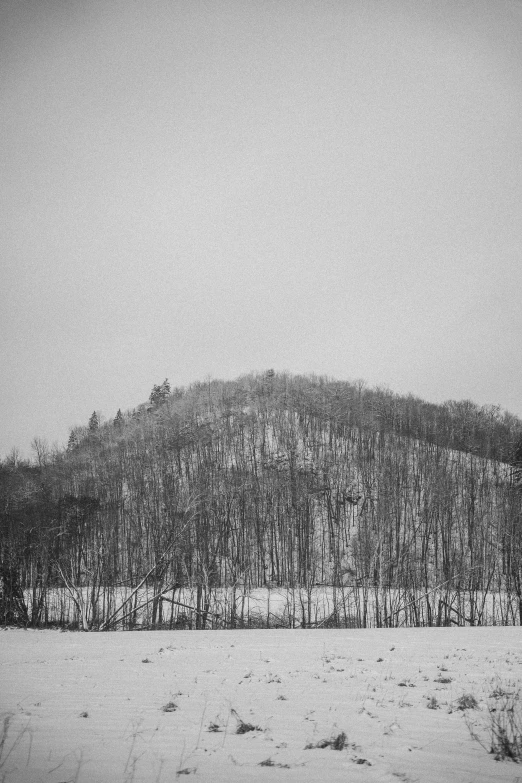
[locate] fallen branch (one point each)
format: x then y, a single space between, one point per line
112 619
117 620
427 593
187 606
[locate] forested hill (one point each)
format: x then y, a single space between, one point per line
485 431
271 479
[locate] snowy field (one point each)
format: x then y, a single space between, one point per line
156 706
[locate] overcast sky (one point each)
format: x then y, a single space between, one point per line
204 188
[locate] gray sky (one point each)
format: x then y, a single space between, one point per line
194 188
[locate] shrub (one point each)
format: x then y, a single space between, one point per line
338 742
244 728
505 723
467 702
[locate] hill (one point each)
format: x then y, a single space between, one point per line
272 481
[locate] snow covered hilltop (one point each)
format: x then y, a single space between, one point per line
178 513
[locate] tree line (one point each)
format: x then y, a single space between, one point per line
272 480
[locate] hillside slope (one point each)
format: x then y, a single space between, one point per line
277 481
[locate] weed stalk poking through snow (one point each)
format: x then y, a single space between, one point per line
505 719
504 724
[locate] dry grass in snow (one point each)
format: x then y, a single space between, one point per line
292 705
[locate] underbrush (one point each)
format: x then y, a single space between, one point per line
504 724
505 721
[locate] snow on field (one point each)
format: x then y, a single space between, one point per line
158 705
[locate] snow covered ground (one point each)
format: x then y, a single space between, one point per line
154 706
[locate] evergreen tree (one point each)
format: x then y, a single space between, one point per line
118 420
159 394
94 422
73 441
